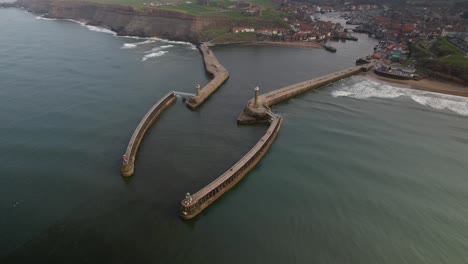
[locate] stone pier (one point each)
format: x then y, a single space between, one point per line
128 159
194 204
257 108
218 75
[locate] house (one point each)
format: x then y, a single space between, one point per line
242 29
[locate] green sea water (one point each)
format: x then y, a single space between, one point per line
361 171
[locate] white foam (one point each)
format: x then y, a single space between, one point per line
154 39
89 27
45 18
173 42
155 49
366 88
193 47
105 30
154 54
128 46
100 29
134 45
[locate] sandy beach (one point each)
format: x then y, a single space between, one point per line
425 85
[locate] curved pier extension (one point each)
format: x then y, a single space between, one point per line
218 73
128 164
258 107
194 204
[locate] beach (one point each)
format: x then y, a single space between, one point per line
426 84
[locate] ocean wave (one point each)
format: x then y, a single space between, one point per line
154 54
89 27
99 29
154 39
174 42
128 46
46 18
155 49
108 31
193 47
134 45
368 88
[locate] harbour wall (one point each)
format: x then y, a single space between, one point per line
194 204
128 163
258 111
218 75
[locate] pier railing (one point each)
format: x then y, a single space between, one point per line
128 163
192 205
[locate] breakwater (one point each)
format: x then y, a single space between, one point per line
128 163
258 108
218 75
194 204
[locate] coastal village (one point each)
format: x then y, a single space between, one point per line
407 34
364 162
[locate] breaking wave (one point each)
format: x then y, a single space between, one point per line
154 54
126 45
154 39
45 18
368 88
190 45
89 27
136 44
155 49
98 29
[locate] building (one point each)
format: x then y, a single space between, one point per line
242 29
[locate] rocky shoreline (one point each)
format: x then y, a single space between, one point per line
124 20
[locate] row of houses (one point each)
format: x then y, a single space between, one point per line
299 32
264 31
361 7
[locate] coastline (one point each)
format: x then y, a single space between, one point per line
123 20
426 84
288 44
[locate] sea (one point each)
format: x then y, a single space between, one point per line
362 171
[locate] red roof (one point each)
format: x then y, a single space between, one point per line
382 19
407 28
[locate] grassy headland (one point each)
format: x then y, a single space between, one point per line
266 15
441 59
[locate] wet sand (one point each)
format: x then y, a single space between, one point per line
425 85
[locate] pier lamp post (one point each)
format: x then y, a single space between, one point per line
198 89
256 89
188 198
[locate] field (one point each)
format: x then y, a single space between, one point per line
220 8
442 59
268 17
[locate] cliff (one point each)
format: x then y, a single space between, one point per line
127 21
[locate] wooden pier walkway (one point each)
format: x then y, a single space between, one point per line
258 107
194 204
128 163
218 73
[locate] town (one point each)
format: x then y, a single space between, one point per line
427 39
